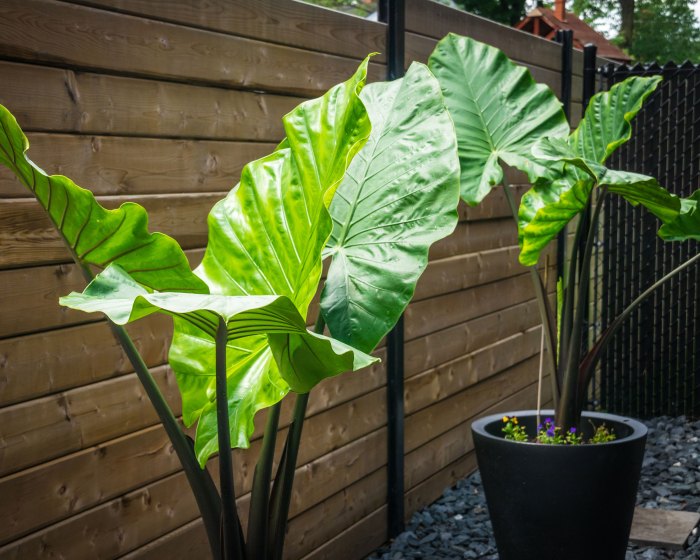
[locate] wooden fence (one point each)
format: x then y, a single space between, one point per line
162 103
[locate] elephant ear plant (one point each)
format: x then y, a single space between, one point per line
502 116
368 176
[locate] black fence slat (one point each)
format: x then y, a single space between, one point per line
653 365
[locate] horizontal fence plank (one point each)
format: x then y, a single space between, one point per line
315 526
284 22
31 299
345 423
45 428
87 38
329 394
436 21
427 423
29 238
89 103
465 271
109 165
448 379
31 294
450 446
44 363
356 541
438 348
430 315
125 463
188 541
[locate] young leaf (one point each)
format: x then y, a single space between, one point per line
305 357
687 224
606 124
574 166
399 196
266 238
498 110
98 236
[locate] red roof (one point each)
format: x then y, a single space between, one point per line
543 22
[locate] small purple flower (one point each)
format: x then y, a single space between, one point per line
550 431
539 427
548 420
572 430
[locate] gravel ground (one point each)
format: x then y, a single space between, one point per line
457 526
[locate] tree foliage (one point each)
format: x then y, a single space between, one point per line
650 30
665 30
509 12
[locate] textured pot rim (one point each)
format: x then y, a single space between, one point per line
638 429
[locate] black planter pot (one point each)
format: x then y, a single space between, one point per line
556 502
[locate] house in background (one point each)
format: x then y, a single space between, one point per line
545 22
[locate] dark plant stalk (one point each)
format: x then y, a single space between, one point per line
258 518
569 297
232 543
568 414
548 323
203 487
284 479
591 359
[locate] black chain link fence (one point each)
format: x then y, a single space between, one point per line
653 365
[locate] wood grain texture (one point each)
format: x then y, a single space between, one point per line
125 166
28 237
39 430
663 528
284 22
44 363
87 38
71 101
435 20
30 299
430 315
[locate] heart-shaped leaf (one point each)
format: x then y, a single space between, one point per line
498 110
399 196
607 122
266 238
574 166
95 235
305 358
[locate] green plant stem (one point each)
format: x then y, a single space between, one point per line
548 324
200 480
258 520
203 487
593 357
282 487
568 413
232 544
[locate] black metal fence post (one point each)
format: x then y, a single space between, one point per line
393 13
566 38
590 52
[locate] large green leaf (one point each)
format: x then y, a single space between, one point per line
266 238
305 358
687 224
564 172
400 195
606 125
98 236
498 110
